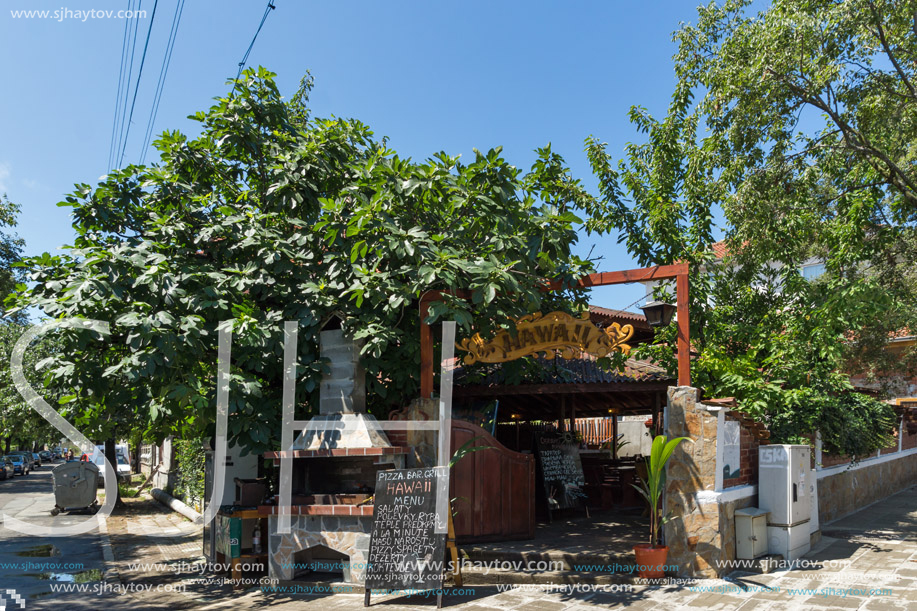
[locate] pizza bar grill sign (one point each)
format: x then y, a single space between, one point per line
404 551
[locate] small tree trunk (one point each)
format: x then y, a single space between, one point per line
136 443
112 457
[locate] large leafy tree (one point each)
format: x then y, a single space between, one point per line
812 111
11 246
797 123
20 426
273 215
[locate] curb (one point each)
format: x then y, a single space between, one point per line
111 574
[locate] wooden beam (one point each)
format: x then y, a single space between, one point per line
426 350
684 326
426 338
560 389
573 413
614 436
643 274
679 271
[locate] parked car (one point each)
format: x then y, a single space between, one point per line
6 468
32 459
36 460
21 464
123 469
46 456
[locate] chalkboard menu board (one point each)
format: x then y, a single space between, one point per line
404 551
561 470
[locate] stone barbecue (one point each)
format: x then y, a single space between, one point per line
334 473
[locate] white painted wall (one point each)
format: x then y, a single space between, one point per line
637 434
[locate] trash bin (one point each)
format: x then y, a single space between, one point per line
75 486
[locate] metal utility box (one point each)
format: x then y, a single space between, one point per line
751 533
785 491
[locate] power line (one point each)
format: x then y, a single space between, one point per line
114 124
163 72
137 85
267 11
127 88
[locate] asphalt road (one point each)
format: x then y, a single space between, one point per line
30 564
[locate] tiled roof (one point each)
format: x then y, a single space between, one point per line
558 370
902 334
719 249
607 313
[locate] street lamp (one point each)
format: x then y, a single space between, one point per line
658 313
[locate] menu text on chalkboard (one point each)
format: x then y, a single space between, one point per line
405 553
561 471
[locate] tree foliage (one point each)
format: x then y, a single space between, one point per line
798 123
273 215
11 246
20 425
812 114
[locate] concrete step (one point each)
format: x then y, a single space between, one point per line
547 559
482 577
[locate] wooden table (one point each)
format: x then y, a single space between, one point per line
230 526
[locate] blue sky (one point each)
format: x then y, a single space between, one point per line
431 76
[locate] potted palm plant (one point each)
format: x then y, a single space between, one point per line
651 557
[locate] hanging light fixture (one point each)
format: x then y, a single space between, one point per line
658 313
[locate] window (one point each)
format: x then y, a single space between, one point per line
811 272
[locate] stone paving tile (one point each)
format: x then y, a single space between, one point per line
716 601
878 604
834 602
542 605
885 556
753 604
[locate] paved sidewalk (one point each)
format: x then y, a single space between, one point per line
158 562
865 561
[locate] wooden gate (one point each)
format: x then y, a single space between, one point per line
493 490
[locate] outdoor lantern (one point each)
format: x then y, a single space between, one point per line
658 313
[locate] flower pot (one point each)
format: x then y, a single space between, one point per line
651 560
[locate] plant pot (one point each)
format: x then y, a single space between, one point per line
651 560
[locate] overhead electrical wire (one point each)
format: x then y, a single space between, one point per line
137 85
114 124
163 72
267 11
127 88
121 134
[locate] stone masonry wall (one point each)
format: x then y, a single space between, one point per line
844 493
693 531
344 534
700 535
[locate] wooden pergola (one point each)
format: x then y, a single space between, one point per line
678 272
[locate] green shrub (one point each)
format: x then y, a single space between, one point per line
189 481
